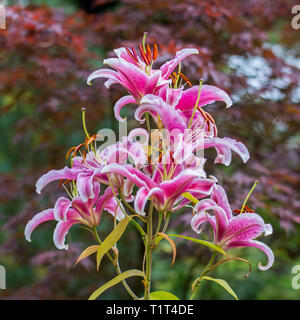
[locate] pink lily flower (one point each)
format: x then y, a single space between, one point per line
164 186
76 211
85 172
135 73
175 107
175 111
232 231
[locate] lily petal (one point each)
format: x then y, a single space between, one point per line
169 66
246 226
155 105
128 171
209 94
60 233
224 147
220 197
85 185
61 208
104 73
109 203
140 200
65 173
120 104
259 245
38 219
200 218
220 215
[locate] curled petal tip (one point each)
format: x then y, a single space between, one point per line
229 103
268 229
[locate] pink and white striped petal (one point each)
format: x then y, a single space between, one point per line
259 245
60 232
46 215
168 67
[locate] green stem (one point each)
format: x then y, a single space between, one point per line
160 215
199 279
149 248
148 123
166 222
115 264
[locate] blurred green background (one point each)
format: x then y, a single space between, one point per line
48 49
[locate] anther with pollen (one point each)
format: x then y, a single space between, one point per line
245 210
146 55
78 149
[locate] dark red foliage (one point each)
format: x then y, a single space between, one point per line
247 48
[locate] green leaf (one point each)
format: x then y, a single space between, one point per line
203 242
111 239
162 295
190 197
223 284
116 280
87 252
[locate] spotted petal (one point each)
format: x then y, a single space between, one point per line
209 94
65 173
155 105
259 245
169 66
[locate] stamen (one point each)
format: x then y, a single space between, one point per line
143 55
203 113
83 122
155 52
69 152
131 55
185 78
248 195
149 54
134 54
210 118
61 182
215 131
144 41
173 80
208 124
196 105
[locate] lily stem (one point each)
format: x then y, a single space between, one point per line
148 123
167 220
149 248
199 279
160 215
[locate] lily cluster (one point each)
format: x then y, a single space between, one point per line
145 174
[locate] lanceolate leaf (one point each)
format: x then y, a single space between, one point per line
162 295
163 235
116 280
202 242
87 252
223 284
111 239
